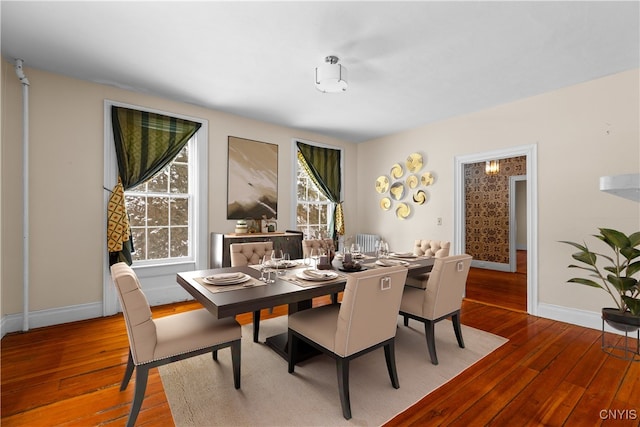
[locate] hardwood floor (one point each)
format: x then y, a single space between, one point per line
549 373
507 290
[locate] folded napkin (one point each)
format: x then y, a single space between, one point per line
225 277
402 254
391 262
316 274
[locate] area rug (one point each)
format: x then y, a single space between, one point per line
200 391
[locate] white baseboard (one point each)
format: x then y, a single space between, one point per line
588 319
56 316
489 265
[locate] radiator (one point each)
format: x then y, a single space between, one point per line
367 242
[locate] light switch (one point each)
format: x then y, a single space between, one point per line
439 221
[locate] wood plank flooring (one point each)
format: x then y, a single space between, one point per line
549 373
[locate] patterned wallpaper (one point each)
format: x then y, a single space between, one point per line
487 209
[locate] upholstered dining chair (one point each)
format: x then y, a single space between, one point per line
366 319
308 244
250 254
156 342
430 248
441 299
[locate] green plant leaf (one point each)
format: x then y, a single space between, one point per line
586 282
577 245
622 284
633 304
633 268
615 238
634 239
630 253
585 257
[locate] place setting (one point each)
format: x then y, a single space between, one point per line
229 281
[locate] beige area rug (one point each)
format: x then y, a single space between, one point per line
200 391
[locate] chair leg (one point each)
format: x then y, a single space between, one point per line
406 321
127 372
390 357
334 298
429 331
342 366
142 373
455 319
236 357
214 353
256 325
292 349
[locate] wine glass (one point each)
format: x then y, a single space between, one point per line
355 250
315 255
276 257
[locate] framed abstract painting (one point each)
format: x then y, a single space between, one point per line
252 179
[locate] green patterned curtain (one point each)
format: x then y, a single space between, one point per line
323 167
145 143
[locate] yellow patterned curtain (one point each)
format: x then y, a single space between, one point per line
323 167
145 143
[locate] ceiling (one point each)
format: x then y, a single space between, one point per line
409 63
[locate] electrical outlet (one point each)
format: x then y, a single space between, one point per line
439 221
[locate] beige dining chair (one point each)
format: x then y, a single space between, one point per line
429 248
250 254
156 342
441 299
324 244
366 320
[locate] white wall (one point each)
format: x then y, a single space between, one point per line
582 132
66 178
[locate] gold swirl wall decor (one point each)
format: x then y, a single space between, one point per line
385 204
412 181
382 184
414 162
397 171
420 197
397 190
426 179
403 211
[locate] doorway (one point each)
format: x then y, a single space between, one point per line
530 252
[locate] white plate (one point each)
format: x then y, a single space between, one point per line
402 254
226 279
326 275
391 263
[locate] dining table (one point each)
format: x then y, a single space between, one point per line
291 286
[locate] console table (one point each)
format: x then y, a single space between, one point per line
219 255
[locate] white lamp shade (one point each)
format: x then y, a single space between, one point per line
331 78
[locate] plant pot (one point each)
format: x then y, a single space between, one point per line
622 321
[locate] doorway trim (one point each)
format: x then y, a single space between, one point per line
513 223
531 153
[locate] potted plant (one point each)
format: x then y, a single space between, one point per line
615 276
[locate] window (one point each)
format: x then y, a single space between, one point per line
160 212
313 208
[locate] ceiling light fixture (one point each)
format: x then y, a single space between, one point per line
331 77
492 167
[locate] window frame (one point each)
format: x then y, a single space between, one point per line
158 279
295 168
192 169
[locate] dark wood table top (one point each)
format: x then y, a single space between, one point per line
233 302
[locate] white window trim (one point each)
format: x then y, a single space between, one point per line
163 289
294 177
